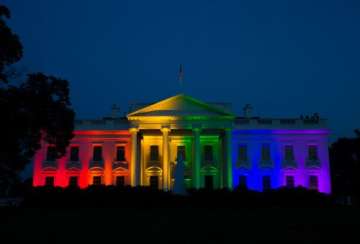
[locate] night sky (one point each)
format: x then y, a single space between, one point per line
286 58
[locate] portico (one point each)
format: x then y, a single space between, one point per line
181 124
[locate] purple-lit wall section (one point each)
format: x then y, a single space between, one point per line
278 139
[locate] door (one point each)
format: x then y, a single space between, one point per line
209 182
154 182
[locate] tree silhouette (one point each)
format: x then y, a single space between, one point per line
345 165
11 50
37 110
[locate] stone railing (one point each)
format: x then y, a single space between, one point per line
73 165
243 164
266 164
289 164
50 164
312 163
96 164
120 164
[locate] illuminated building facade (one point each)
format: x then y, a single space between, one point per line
219 148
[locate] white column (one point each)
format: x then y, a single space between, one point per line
197 159
133 161
166 164
228 159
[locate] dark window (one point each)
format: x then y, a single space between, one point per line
51 154
290 181
49 180
208 153
97 180
74 154
266 180
73 181
289 153
265 152
243 153
181 151
97 153
154 153
312 151
154 182
120 180
313 182
120 153
209 182
243 181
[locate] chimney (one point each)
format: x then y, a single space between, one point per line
247 110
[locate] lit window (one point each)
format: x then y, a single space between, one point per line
243 181
97 180
243 153
266 180
49 180
289 153
120 153
120 180
208 153
290 181
154 153
265 152
73 181
74 154
97 153
313 152
313 182
51 153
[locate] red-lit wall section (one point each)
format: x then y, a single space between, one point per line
86 169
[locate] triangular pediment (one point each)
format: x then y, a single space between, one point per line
181 106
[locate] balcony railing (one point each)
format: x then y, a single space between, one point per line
73 165
266 164
50 164
96 164
120 164
313 163
289 164
243 164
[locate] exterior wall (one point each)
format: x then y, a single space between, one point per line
278 139
85 170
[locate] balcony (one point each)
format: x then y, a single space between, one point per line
245 164
73 165
50 164
313 163
154 163
120 164
289 164
266 164
96 164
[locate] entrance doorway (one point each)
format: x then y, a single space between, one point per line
154 182
209 182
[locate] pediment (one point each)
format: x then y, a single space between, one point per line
181 106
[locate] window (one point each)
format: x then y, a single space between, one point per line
73 181
74 154
313 182
120 153
120 180
266 180
154 153
154 182
243 181
49 180
208 153
290 181
289 153
265 152
181 152
51 153
312 151
243 153
209 182
97 180
97 153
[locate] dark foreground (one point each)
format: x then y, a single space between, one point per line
161 218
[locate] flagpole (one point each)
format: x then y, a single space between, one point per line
181 78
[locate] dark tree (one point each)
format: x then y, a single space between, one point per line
345 165
37 110
11 49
